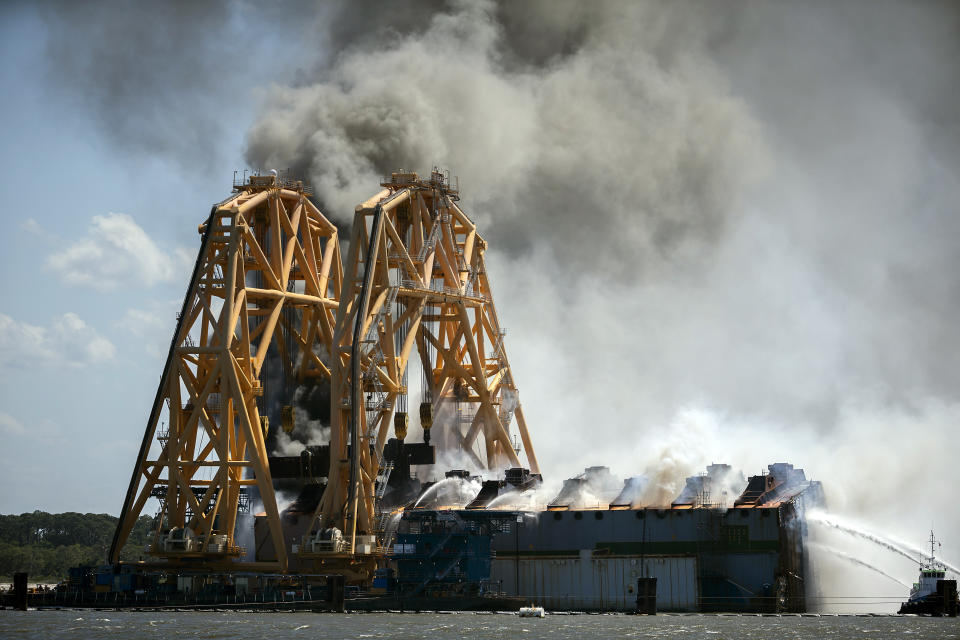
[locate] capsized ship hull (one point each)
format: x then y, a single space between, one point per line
747 560
744 556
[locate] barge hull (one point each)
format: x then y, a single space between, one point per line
740 559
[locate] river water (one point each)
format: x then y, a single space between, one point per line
77 624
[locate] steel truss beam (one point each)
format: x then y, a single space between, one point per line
429 263
266 249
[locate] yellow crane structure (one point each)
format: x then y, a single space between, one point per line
413 247
414 281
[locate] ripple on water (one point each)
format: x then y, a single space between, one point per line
66 625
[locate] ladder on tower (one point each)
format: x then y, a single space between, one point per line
432 239
380 488
372 337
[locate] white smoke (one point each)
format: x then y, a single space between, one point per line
306 431
453 492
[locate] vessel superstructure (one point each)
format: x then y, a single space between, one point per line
932 593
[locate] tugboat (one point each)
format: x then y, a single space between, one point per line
934 594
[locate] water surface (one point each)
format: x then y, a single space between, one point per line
93 624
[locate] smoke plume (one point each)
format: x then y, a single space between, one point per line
717 234
623 144
170 80
724 235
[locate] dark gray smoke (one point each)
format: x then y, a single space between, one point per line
171 78
605 142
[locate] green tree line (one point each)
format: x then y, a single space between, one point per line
46 545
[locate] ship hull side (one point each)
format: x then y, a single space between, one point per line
738 560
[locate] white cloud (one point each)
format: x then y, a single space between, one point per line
142 323
32 227
9 424
116 250
43 430
67 340
154 325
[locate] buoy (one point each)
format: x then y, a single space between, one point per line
532 612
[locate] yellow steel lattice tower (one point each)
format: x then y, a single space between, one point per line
414 279
265 250
413 246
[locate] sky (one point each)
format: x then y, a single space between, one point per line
719 232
